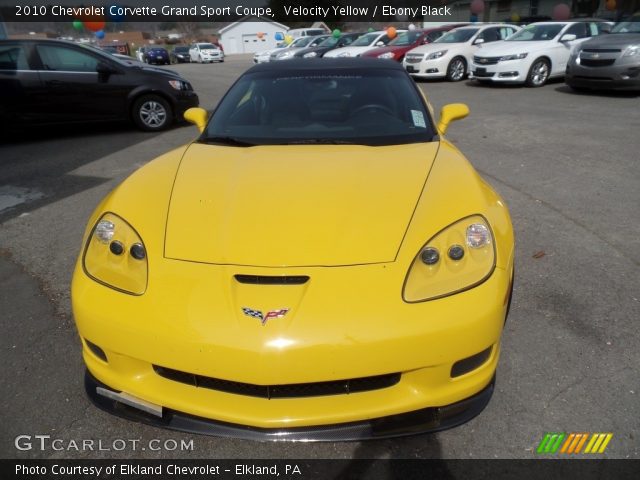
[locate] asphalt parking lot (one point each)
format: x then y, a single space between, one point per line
567 166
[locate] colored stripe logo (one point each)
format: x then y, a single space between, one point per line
574 443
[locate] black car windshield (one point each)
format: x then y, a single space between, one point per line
341 106
541 33
181 49
627 27
457 36
406 38
207 46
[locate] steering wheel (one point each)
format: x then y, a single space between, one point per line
373 106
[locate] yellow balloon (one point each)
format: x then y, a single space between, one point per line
515 17
288 39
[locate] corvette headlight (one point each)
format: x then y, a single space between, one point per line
434 55
632 50
518 56
310 55
116 256
386 55
456 259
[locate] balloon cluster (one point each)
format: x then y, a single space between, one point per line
96 24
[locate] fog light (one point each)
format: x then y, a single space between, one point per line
430 256
456 252
137 251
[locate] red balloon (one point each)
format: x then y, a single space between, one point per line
94 26
477 6
561 12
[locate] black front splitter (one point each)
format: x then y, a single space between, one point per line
431 419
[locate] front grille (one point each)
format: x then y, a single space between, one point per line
601 50
272 280
413 58
590 62
486 60
295 390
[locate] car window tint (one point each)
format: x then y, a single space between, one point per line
62 59
370 108
578 29
433 36
13 57
490 35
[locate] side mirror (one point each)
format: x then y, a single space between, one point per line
568 37
451 112
105 69
478 41
198 116
380 44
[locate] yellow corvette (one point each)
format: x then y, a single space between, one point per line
319 264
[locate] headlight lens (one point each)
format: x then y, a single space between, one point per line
310 55
632 50
456 259
517 56
178 84
386 55
116 256
434 55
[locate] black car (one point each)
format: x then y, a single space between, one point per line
157 55
180 54
53 81
327 44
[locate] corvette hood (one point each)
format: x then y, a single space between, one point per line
303 205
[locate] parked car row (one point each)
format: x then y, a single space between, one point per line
589 53
202 52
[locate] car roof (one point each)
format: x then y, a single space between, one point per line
326 65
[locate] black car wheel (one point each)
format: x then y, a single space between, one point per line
151 113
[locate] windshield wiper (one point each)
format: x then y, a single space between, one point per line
222 140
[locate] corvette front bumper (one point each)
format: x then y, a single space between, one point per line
431 419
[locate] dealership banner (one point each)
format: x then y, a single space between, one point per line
318 469
276 10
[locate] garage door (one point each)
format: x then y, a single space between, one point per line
251 43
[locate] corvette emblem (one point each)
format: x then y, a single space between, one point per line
249 312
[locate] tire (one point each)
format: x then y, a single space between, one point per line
457 69
538 73
151 113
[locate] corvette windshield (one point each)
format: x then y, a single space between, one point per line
537 33
457 36
346 106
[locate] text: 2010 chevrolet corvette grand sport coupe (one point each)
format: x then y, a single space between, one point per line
320 264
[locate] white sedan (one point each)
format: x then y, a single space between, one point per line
533 55
206 53
450 55
363 44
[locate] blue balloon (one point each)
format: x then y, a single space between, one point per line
99 34
279 36
473 18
